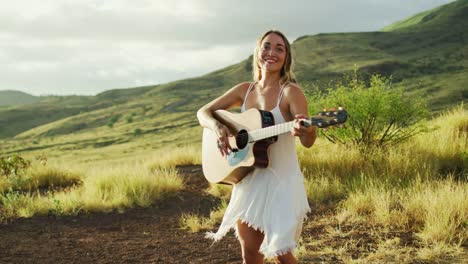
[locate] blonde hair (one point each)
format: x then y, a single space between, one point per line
286 73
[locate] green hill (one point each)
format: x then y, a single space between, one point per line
10 97
449 16
18 118
426 53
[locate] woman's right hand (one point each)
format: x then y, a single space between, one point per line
223 133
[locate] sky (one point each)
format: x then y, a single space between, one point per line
84 47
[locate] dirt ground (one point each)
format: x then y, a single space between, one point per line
153 235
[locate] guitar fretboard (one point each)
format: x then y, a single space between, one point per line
324 119
271 131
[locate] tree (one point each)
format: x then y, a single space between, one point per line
379 114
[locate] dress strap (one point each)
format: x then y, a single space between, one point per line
252 84
281 93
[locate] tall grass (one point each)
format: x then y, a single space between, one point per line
169 158
41 176
420 185
194 222
435 154
126 187
96 189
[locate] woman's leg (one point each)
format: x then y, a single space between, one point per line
286 259
250 240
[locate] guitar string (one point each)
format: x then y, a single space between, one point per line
277 129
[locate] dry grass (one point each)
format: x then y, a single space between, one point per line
222 191
437 211
97 189
196 223
169 158
419 186
128 186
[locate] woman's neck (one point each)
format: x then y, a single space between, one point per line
269 79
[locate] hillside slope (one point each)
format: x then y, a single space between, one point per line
426 54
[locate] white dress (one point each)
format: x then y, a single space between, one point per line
272 200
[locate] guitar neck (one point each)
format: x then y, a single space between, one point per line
271 131
323 119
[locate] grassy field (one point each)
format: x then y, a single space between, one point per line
419 187
55 187
414 187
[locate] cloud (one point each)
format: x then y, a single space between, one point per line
87 46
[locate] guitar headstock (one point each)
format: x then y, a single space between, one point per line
329 118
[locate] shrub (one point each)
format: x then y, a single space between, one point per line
112 121
137 131
12 166
379 114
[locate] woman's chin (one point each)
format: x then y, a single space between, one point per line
271 68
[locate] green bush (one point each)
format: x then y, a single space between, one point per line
12 166
379 115
112 121
137 131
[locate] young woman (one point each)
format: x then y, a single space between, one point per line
267 207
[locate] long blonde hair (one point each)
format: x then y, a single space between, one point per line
286 74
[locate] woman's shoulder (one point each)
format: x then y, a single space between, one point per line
244 85
241 88
292 89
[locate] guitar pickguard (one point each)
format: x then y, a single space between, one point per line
236 157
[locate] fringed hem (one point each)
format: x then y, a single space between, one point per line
279 252
222 232
244 220
214 236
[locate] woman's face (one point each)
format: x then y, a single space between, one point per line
272 53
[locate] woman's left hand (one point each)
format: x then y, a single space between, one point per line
298 130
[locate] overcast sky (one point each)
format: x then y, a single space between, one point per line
84 47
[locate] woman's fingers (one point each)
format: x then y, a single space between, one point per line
223 142
296 129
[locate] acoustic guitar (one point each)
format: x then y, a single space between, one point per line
253 131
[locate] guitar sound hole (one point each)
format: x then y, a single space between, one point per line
242 139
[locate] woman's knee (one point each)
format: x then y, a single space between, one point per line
250 255
250 240
250 248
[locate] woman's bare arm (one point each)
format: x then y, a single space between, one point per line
232 98
298 109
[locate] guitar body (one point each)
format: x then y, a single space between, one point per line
252 133
245 156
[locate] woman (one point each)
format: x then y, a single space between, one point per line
267 207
